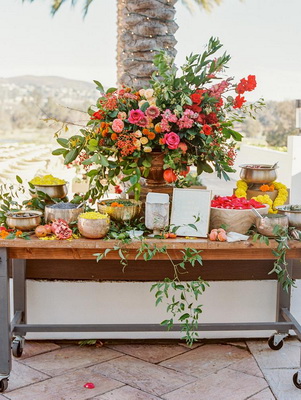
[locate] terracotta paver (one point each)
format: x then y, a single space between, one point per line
66 387
264 394
247 366
32 348
148 377
63 360
281 383
224 385
287 357
22 375
150 353
126 393
206 359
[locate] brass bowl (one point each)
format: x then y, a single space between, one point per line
68 214
24 223
121 214
93 228
294 215
53 191
265 225
258 173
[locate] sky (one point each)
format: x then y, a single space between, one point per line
263 38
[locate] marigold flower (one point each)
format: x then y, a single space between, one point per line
114 136
158 128
151 135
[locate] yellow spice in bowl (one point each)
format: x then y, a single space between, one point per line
93 215
47 180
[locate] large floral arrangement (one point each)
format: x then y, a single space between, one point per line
190 118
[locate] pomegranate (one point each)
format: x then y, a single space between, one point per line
169 175
48 229
40 231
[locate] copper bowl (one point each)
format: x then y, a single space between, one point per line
121 214
68 214
24 223
265 225
258 173
53 191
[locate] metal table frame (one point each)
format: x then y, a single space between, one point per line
12 332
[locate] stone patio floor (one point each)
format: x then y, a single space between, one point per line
152 370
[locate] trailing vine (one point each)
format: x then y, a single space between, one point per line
282 237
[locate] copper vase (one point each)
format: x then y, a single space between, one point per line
155 176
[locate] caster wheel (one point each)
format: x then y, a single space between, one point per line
17 349
273 346
295 380
3 385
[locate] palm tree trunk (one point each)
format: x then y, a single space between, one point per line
143 27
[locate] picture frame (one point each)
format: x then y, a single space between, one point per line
191 206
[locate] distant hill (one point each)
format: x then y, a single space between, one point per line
26 100
49 81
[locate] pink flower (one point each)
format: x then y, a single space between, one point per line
152 112
169 116
142 122
185 122
165 127
117 125
136 116
172 140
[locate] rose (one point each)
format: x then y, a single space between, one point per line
172 140
148 93
117 125
135 116
207 130
152 112
142 122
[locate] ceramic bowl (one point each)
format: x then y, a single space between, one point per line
293 212
93 228
121 214
25 220
239 221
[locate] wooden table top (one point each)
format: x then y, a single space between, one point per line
86 248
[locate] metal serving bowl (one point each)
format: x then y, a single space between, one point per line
258 173
16 220
69 214
53 191
122 214
293 212
267 223
93 228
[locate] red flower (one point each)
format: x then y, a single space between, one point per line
207 130
246 85
97 115
211 118
196 98
118 189
238 101
251 82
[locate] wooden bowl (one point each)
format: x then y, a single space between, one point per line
239 221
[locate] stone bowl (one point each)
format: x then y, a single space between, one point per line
239 221
25 220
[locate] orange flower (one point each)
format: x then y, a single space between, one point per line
103 125
151 135
145 131
3 234
105 132
158 128
161 141
267 188
116 204
114 136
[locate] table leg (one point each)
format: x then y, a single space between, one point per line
284 298
5 334
19 285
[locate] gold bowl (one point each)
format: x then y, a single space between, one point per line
121 214
93 228
265 225
53 191
239 221
25 220
258 173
